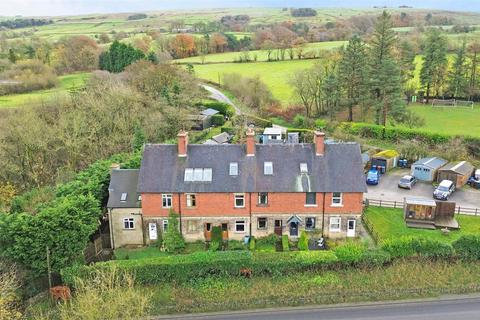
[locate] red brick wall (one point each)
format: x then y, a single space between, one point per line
222 204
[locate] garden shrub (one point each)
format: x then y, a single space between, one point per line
432 248
173 239
468 247
285 243
229 130
251 244
303 241
399 248
214 246
224 108
217 234
349 253
374 258
218 120
236 245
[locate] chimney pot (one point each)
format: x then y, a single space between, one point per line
319 141
250 142
182 139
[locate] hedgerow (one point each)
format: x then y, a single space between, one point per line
467 247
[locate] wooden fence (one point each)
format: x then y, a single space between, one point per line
399 205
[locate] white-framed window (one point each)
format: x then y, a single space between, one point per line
311 198
165 225
309 223
336 199
139 197
192 225
128 223
268 168
207 175
166 200
335 224
239 200
262 223
303 167
262 198
191 200
233 170
240 226
198 175
188 174
123 197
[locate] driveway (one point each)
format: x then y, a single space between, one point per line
219 96
387 189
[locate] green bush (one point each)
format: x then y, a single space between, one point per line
468 247
349 253
303 241
173 239
432 248
218 120
236 245
214 246
228 130
217 234
374 258
224 108
399 248
251 244
285 243
279 263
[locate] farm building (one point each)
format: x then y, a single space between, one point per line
429 214
458 172
426 169
385 160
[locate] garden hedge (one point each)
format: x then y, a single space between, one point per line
467 247
224 108
423 247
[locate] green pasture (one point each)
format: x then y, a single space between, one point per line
66 83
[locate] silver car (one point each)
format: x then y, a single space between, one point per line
407 182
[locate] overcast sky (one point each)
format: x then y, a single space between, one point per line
75 7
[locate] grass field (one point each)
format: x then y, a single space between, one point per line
66 83
261 54
388 223
460 121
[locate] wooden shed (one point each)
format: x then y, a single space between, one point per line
429 214
458 172
426 169
385 160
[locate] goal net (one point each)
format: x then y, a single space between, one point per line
452 103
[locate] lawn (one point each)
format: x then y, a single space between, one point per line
388 223
66 83
461 121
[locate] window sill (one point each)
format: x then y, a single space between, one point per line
124 229
310 205
335 230
262 205
336 205
166 207
239 207
189 208
239 231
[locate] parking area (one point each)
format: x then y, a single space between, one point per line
388 189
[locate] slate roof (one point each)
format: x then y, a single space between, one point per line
339 170
462 167
431 162
209 112
123 181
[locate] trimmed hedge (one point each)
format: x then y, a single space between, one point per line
422 247
223 108
182 268
467 247
218 120
350 253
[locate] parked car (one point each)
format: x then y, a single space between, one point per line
444 190
373 177
407 182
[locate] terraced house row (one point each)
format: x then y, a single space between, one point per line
247 189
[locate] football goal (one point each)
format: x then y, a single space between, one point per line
452 103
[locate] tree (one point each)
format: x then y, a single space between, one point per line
217 43
406 59
353 73
173 239
457 77
183 45
77 53
474 57
119 56
384 73
139 138
434 62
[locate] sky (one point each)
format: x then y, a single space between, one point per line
76 7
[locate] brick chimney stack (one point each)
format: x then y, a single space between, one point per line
250 142
182 138
319 141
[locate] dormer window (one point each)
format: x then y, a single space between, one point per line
207 175
303 168
268 168
188 174
233 171
123 197
198 175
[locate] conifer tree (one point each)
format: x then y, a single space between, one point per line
435 62
457 78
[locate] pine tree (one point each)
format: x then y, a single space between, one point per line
474 58
435 62
384 72
406 59
353 73
457 79
119 56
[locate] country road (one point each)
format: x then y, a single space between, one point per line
219 96
458 308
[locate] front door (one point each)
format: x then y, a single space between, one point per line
278 227
351 224
208 231
293 229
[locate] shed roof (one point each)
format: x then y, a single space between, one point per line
431 162
272 131
221 138
123 182
420 201
387 154
461 167
339 170
209 112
